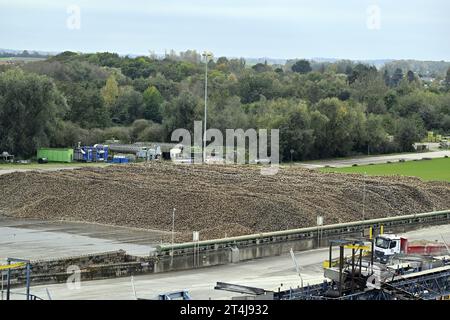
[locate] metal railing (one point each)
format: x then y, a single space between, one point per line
305 233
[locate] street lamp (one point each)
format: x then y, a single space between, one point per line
207 56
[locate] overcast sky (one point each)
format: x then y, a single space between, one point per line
354 29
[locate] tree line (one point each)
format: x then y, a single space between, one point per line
322 110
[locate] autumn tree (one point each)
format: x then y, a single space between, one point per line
110 91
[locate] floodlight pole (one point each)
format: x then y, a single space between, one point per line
206 55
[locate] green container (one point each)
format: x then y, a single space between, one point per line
56 154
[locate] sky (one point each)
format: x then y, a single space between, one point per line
351 29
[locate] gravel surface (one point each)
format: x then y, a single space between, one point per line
216 200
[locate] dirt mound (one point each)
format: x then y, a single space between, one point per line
215 200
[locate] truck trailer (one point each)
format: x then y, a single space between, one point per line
55 154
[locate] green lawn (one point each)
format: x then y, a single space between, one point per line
34 165
436 169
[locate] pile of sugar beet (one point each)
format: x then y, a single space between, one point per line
216 200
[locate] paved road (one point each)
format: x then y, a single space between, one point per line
373 159
268 273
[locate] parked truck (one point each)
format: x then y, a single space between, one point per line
388 245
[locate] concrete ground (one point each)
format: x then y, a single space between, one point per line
268 273
348 162
8 168
37 239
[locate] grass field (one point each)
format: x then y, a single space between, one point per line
436 169
51 165
21 59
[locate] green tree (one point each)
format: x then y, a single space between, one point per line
386 78
253 86
236 65
86 106
120 133
227 114
445 123
181 112
410 76
29 108
319 123
409 131
390 99
447 79
138 67
422 104
128 107
168 88
396 77
302 66
262 67
146 130
222 64
152 104
377 137
369 88
297 135
343 130
360 71
334 109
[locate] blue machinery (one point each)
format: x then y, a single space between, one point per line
96 153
